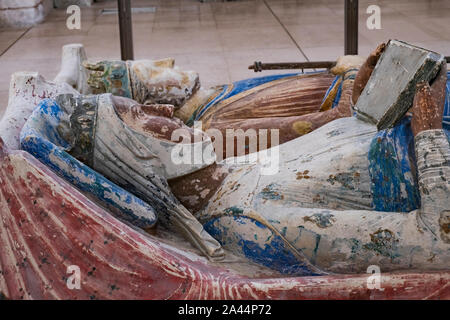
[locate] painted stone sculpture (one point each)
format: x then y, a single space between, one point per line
26 90
48 225
46 139
321 202
71 70
314 216
42 213
385 110
294 104
91 129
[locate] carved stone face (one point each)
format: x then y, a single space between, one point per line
146 81
161 82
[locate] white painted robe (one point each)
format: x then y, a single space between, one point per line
320 202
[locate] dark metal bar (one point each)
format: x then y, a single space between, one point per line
126 32
351 27
258 66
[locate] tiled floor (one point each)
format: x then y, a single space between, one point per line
220 39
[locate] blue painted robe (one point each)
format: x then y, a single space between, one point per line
392 164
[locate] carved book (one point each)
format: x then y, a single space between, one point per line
389 93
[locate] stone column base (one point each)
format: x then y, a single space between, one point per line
65 3
23 13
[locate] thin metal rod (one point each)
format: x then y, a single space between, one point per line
126 32
259 66
351 27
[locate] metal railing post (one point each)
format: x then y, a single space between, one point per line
126 32
351 27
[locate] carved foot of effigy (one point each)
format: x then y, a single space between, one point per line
26 90
72 72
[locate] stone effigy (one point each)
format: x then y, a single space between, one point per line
293 220
340 201
193 229
293 104
48 225
45 126
90 128
320 202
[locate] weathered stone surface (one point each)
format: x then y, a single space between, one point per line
26 90
23 13
72 72
390 90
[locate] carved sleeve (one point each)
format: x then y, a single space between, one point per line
433 164
346 241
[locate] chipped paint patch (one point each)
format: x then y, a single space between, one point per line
444 222
383 242
303 175
270 192
334 133
302 127
348 180
322 220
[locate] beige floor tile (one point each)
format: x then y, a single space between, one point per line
180 41
324 53
102 48
237 10
239 61
46 67
105 31
213 69
304 13
254 38
437 26
39 47
317 35
59 28
7 38
401 30
181 19
442 47
419 5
